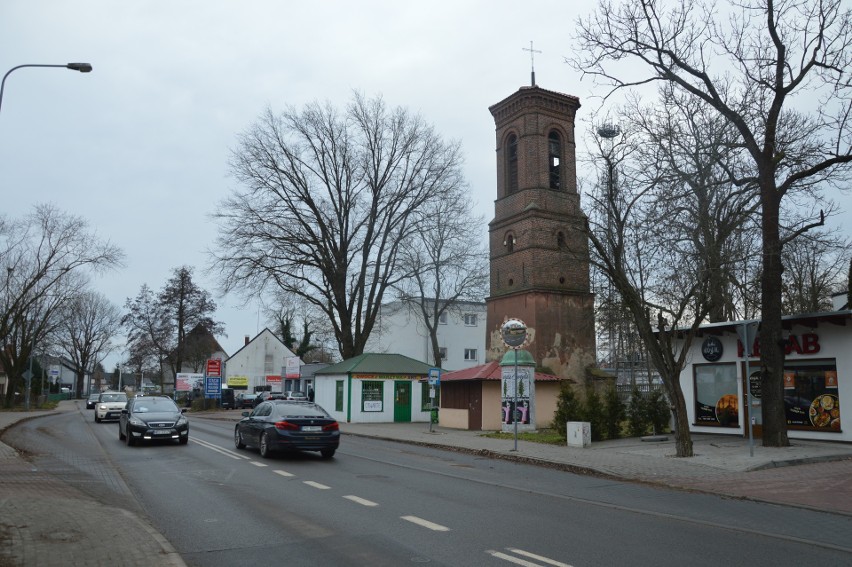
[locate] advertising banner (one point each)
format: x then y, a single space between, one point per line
214 367
293 369
273 380
188 382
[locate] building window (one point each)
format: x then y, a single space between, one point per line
470 354
442 318
509 243
426 401
512 163
338 395
267 364
811 396
442 353
470 319
372 395
554 151
716 402
560 240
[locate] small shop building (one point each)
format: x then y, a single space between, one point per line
375 388
481 399
722 396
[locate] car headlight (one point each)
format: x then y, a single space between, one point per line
136 422
182 421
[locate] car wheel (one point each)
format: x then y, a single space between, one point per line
265 451
97 419
238 440
120 434
327 453
129 437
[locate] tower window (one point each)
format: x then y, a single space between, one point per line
512 163
554 151
560 240
509 243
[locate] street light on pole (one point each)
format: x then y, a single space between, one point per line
81 67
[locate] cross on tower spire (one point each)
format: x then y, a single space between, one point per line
532 61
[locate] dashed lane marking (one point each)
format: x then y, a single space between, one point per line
541 558
283 473
218 449
425 523
255 463
359 500
317 485
518 561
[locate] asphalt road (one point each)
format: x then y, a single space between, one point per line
380 503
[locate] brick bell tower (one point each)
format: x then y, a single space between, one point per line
539 253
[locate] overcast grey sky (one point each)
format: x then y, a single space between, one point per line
140 146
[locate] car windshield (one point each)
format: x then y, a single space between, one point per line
154 404
113 398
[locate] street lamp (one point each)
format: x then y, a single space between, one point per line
81 67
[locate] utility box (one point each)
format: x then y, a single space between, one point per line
579 433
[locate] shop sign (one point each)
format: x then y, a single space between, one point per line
807 343
711 349
238 381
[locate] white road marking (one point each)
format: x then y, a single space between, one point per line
537 557
425 523
283 473
359 500
317 485
218 449
525 563
255 463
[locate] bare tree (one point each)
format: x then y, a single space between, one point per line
186 306
448 261
149 332
750 65
814 267
45 258
88 324
158 326
329 200
663 287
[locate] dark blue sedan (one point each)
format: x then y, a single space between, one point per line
283 425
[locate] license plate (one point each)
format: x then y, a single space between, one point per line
163 432
312 428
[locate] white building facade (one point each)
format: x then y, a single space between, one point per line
817 378
461 334
259 365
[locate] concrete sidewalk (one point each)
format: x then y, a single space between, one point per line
44 521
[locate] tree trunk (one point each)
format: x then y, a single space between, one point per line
771 337
683 438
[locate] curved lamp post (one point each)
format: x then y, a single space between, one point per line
81 67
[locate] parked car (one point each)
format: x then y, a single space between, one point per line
296 396
264 396
244 400
282 425
149 418
228 400
92 400
109 405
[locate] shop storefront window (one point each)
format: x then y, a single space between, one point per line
716 401
372 395
811 398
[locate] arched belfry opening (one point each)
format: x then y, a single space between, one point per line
539 259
